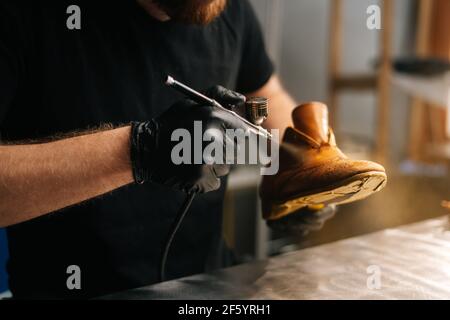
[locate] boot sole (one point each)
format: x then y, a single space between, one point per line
355 188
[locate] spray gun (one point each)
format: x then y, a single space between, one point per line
256 108
256 111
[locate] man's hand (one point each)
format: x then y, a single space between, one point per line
227 98
151 143
303 221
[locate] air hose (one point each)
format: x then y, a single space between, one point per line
172 232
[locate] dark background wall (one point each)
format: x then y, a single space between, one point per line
3 257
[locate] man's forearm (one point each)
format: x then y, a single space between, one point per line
280 113
36 179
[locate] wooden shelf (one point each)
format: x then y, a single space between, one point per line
432 90
441 151
355 82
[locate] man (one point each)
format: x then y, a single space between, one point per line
103 197
55 80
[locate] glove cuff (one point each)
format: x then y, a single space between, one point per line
144 137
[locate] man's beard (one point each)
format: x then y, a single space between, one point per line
200 12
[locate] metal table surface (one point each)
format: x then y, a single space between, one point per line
413 263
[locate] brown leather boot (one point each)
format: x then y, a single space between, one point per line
313 170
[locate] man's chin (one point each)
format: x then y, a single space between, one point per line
198 12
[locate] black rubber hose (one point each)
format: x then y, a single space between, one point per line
173 230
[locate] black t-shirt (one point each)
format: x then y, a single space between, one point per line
55 80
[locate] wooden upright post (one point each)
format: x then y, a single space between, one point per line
418 111
384 83
335 52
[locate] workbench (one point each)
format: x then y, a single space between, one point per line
409 262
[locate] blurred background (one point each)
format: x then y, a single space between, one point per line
388 91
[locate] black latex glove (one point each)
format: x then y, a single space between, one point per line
151 144
303 221
227 98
